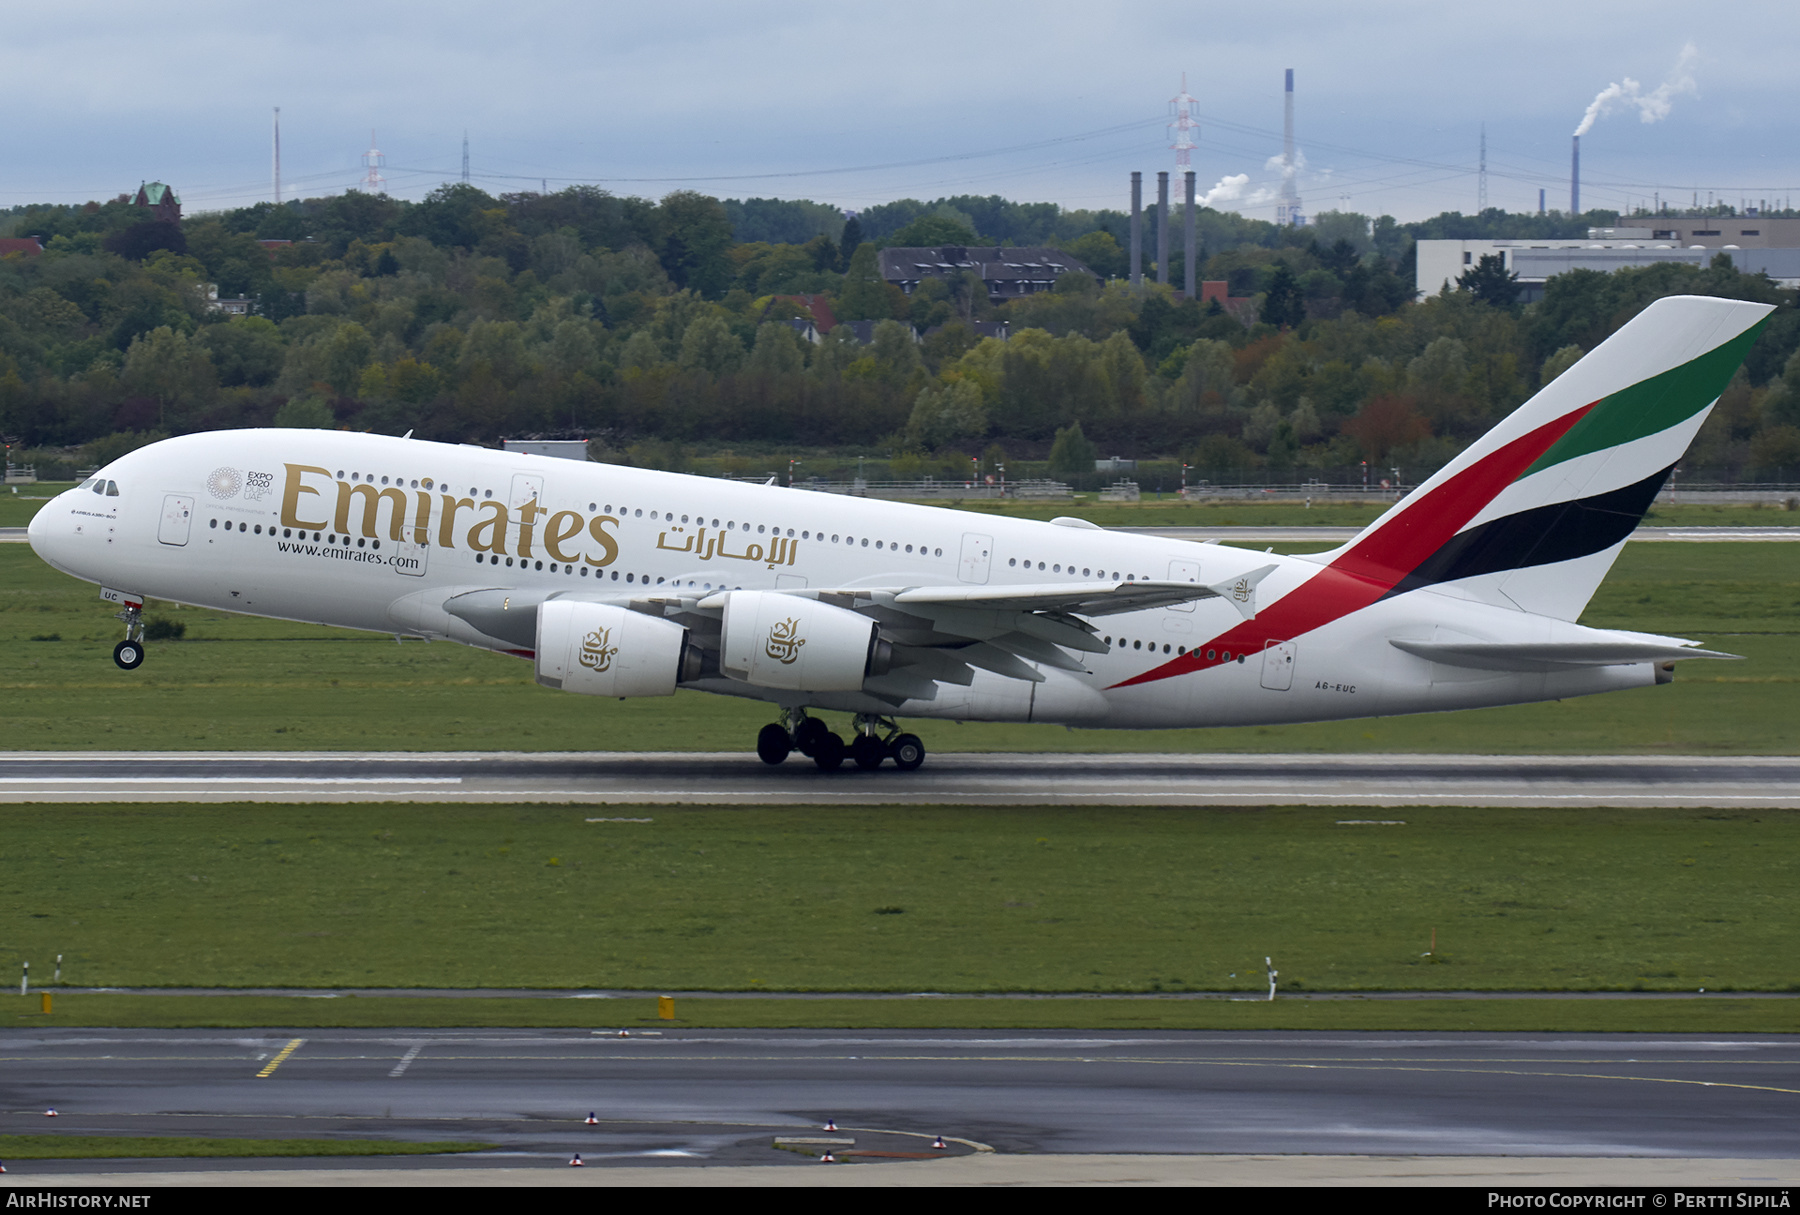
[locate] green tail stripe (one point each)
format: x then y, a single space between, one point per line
1654 404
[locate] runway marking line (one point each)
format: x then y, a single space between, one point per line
278 1060
406 1059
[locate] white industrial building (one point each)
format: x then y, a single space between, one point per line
1441 262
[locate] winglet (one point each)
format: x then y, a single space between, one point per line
1240 592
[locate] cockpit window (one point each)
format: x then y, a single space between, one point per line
112 489
94 483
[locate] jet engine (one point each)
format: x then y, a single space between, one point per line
783 641
601 650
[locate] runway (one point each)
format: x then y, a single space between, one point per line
1391 782
723 1097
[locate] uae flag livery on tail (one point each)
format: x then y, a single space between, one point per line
1533 514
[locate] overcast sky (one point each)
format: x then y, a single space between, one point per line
855 103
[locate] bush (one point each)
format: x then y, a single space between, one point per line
159 629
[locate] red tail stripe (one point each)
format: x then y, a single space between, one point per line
1372 568
1397 548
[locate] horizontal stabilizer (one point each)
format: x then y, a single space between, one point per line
1240 592
1549 656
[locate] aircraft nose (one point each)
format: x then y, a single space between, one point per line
52 533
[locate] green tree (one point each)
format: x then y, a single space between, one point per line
641 351
777 350
946 415
1207 382
1099 252
246 351
848 243
1283 305
710 347
345 354
1560 362
453 215
305 412
1490 281
895 353
932 231
696 243
1071 455
865 295
171 369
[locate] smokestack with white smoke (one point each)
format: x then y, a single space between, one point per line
1652 106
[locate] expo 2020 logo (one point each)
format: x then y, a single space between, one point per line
224 483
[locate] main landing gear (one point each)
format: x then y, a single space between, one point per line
812 738
129 654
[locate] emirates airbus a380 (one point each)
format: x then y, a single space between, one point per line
623 582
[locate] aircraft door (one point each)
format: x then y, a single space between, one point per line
177 517
1184 571
526 489
410 559
977 551
1278 666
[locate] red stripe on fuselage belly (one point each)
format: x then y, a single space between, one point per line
1375 565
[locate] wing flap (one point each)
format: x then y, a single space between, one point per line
1549 656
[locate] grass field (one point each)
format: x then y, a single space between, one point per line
898 899
1086 1013
238 682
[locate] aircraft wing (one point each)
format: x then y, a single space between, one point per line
939 634
1087 598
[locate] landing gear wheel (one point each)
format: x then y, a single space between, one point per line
828 752
868 752
129 655
908 752
773 744
807 736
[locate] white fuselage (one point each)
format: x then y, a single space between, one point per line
370 532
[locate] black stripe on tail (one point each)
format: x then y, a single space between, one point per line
1542 535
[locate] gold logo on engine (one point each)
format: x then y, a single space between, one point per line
785 641
596 655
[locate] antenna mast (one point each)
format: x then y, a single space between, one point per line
1185 128
1481 178
373 182
278 156
465 156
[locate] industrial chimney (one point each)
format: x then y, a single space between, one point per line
1287 211
1162 227
1137 229
1575 178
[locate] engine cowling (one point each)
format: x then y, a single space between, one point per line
784 641
598 649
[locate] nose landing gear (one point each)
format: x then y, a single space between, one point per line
877 739
129 654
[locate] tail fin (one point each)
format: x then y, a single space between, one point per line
1534 512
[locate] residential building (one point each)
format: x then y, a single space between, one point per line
1009 272
160 199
